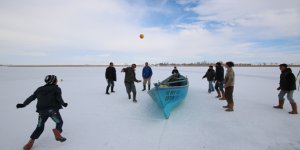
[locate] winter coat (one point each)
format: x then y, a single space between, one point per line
147 72
110 74
129 75
48 97
219 77
175 71
229 78
287 80
210 75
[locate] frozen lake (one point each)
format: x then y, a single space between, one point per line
94 120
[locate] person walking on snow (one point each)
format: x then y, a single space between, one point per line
219 81
49 101
110 75
147 74
210 75
229 86
287 85
129 81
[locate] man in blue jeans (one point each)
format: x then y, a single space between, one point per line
287 85
111 77
210 75
49 101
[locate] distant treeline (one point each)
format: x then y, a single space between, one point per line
197 64
236 64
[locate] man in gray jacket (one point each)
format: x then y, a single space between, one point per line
129 81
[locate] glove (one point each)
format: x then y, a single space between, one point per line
20 105
278 88
65 104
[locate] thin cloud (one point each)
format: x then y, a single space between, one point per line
97 32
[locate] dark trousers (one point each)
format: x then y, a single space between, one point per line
130 87
43 117
110 83
229 94
219 86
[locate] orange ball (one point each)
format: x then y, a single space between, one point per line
141 36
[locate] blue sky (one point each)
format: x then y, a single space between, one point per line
101 31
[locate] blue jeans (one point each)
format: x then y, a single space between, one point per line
289 95
210 86
43 117
110 83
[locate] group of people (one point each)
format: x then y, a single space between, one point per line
287 85
49 99
130 79
217 77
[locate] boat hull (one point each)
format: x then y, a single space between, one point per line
168 97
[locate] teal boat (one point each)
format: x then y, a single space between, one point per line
170 92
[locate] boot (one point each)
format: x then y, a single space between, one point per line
107 88
225 106
230 107
223 96
57 135
134 98
148 87
280 104
144 88
129 96
294 109
112 89
219 94
28 145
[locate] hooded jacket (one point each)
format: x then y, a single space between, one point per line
110 74
219 74
48 97
229 78
287 80
210 75
129 75
147 72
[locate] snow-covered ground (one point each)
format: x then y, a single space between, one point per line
95 121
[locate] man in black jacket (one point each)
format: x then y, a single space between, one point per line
175 70
219 79
110 75
287 86
210 75
129 81
49 101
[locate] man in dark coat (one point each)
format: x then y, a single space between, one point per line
110 75
49 101
175 70
129 81
210 75
219 81
287 85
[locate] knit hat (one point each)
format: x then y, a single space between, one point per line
51 79
283 65
230 63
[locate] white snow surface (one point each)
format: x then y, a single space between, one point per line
94 120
